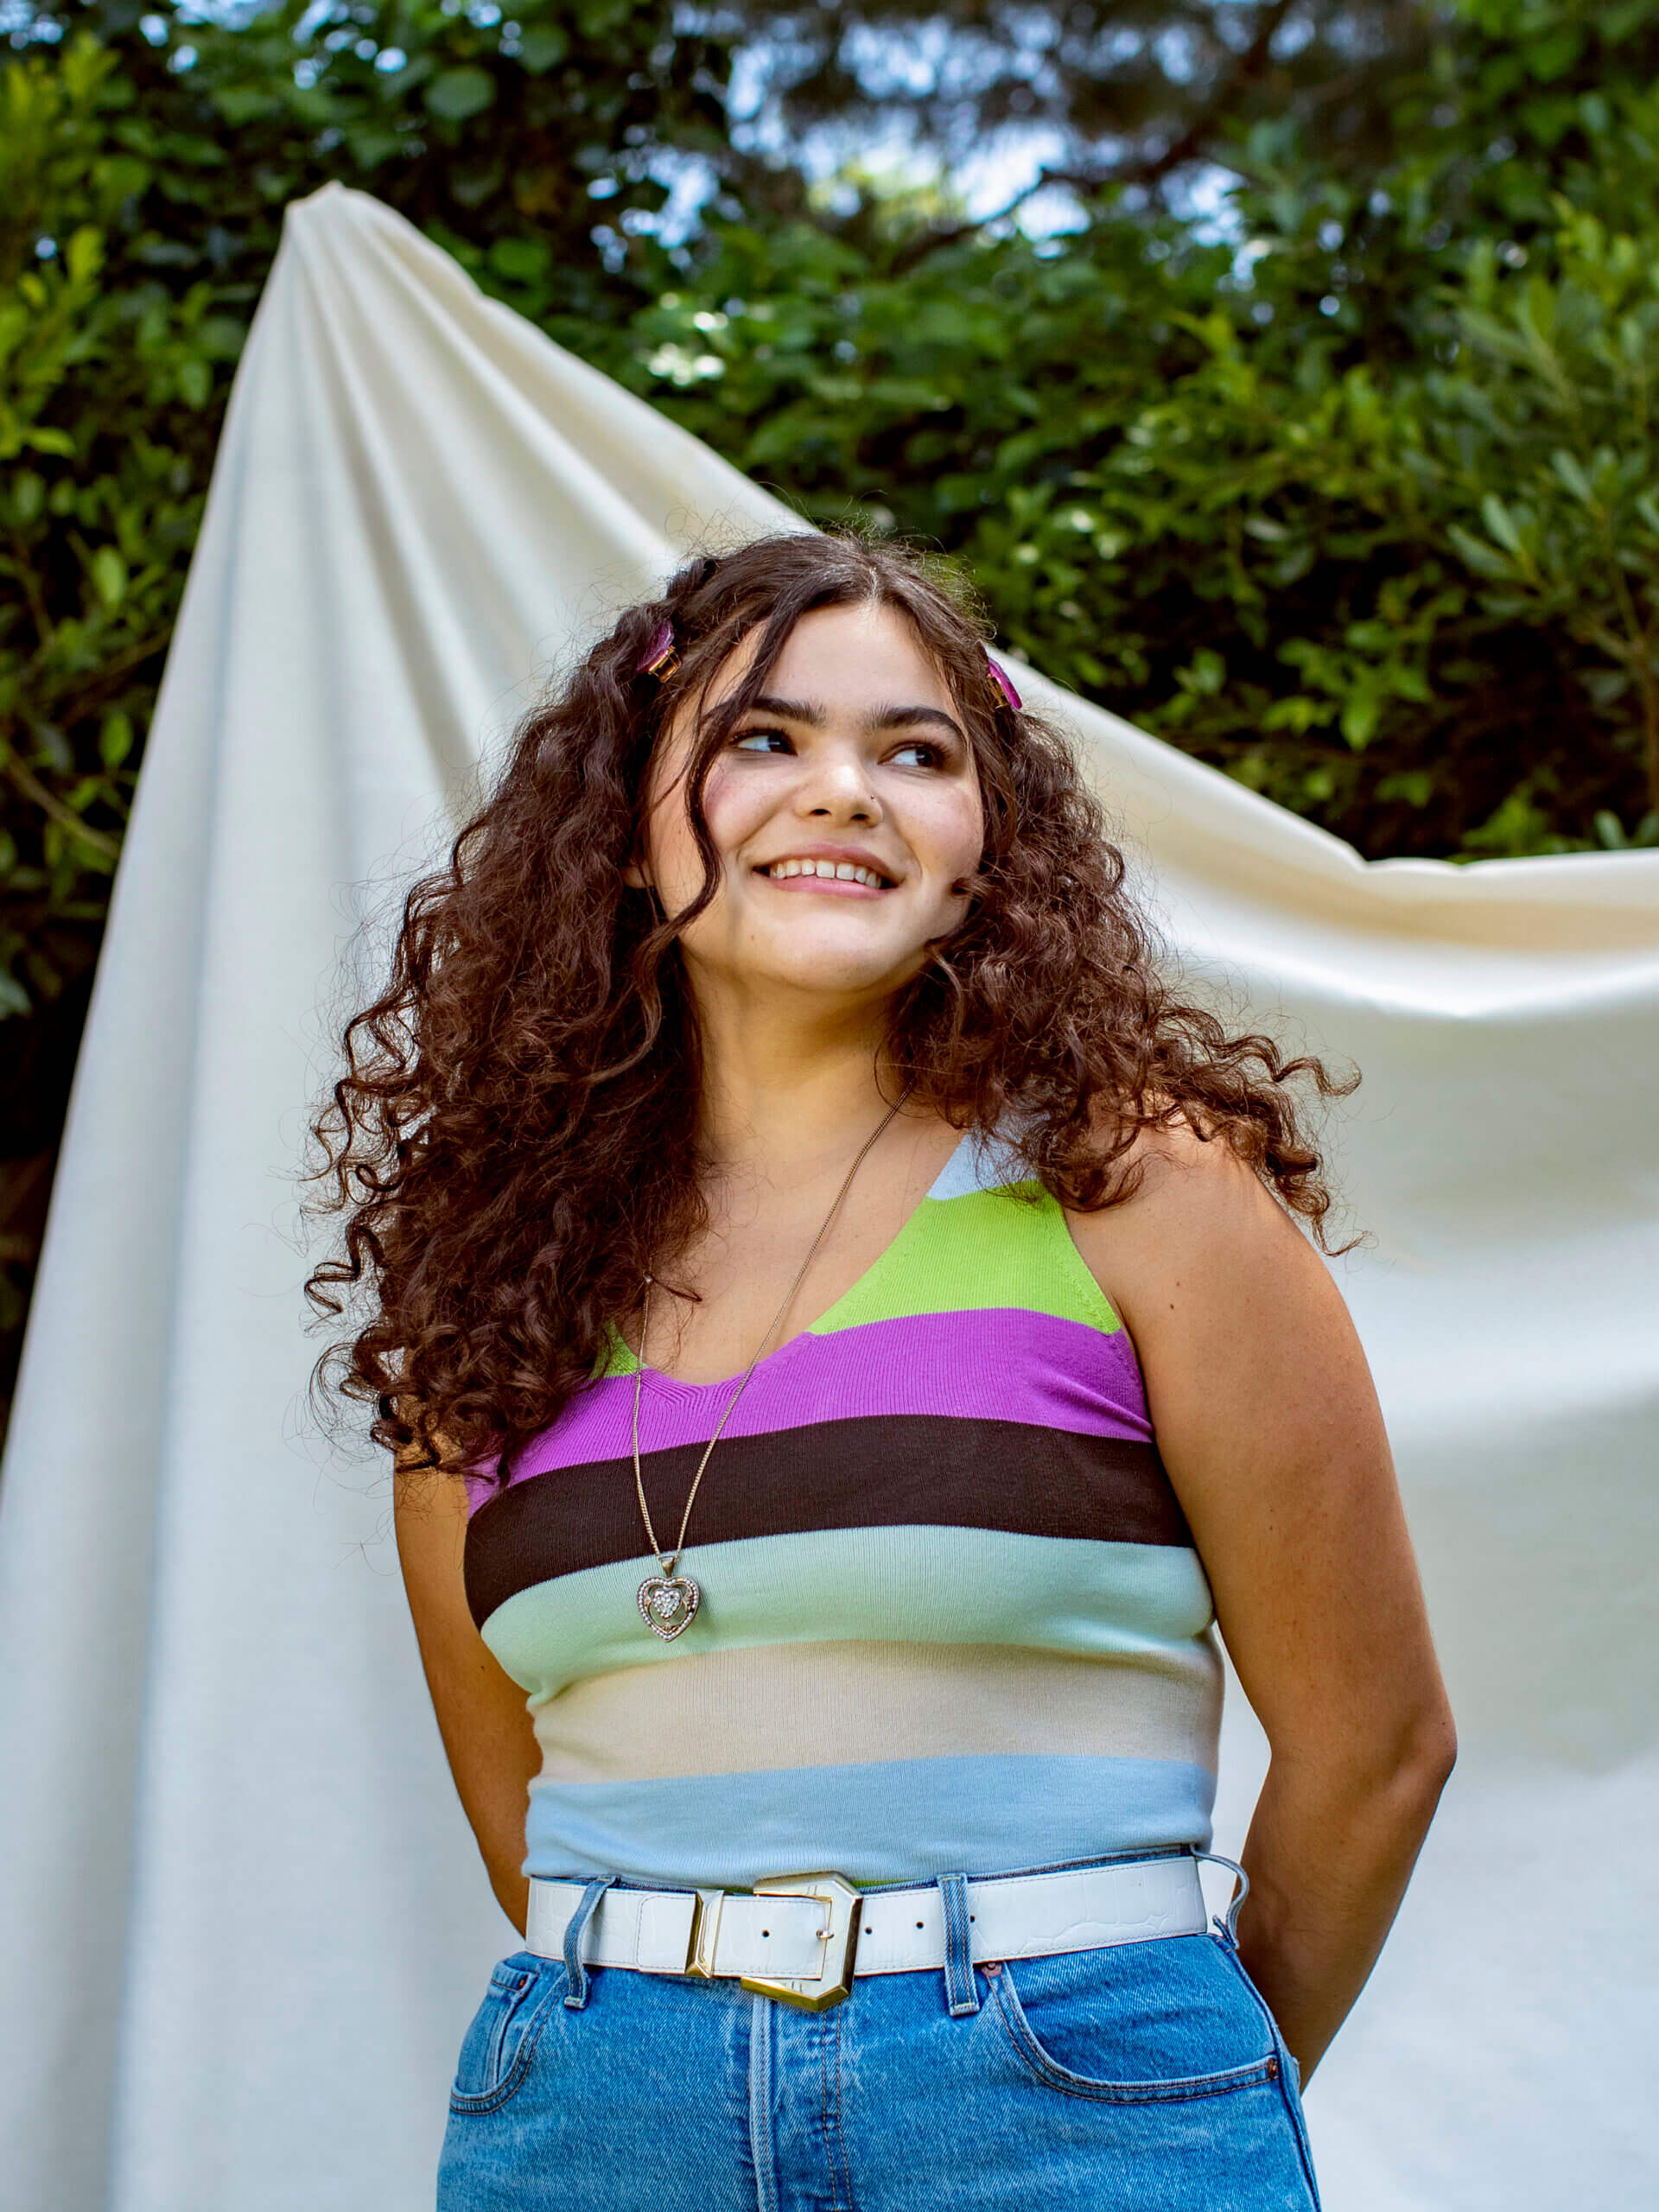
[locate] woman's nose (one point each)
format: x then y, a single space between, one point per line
842 787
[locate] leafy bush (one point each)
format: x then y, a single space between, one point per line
1389 556
106 444
142 183
141 194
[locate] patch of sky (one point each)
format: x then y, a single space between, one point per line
21 25
977 182
1203 200
691 183
939 63
989 176
888 63
235 15
1291 35
1177 53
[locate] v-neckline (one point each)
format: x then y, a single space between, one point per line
671 1385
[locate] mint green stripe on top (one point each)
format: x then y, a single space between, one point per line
921 1585
1008 1247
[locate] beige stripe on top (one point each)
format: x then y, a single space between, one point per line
775 1706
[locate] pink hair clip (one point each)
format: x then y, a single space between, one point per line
660 659
998 677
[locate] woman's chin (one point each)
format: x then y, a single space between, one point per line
831 978
824 970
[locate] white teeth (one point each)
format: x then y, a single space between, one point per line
842 871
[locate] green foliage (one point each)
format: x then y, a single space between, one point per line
106 440
1416 601
143 177
1244 491
141 195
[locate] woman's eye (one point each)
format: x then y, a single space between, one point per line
935 752
761 740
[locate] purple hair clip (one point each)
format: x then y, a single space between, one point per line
1000 683
660 659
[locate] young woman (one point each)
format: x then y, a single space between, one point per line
850 1346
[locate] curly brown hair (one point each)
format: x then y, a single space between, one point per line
512 1145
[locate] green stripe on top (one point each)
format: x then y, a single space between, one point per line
1008 1247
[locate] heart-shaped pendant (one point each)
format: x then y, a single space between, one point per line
669 1603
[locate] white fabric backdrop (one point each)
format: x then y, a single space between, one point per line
242 1925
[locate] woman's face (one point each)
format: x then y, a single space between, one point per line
855 755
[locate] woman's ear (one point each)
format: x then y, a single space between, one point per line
635 876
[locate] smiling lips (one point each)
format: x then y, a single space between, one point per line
847 878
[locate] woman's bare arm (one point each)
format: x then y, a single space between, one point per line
486 1733
1268 1423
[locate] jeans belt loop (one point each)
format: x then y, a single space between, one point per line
960 1983
1227 1929
575 1995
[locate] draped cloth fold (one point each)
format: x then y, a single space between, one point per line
242 1924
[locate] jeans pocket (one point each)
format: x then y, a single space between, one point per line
1158 2022
501 2039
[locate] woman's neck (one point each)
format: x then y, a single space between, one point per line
784 1103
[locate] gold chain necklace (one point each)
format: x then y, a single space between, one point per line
669 1600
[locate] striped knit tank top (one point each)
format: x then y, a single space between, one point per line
952 1617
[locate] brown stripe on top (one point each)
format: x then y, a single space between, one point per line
888 1471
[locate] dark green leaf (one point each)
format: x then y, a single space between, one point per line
459 93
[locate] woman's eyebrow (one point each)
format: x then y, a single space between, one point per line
789 711
810 712
902 718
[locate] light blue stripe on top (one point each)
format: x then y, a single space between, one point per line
924 1584
893 1821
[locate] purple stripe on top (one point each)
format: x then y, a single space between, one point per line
987 1364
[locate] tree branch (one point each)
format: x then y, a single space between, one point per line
919 248
1243 72
37 793
1248 66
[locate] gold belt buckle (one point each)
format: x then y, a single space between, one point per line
844 1906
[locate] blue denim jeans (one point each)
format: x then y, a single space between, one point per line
1149 2076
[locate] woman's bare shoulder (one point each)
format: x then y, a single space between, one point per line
1192 1206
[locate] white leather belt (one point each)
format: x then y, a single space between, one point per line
802 1937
